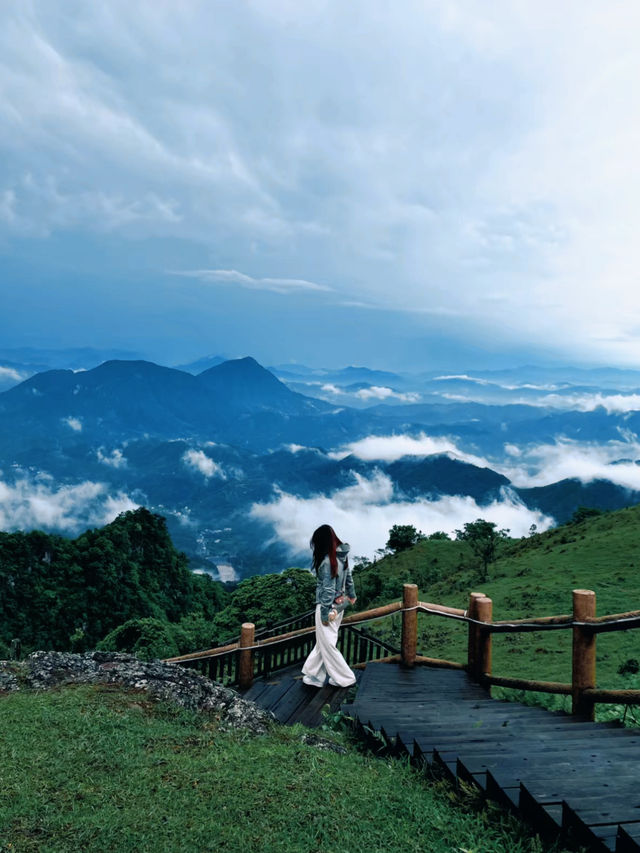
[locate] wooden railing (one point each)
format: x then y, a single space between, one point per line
239 662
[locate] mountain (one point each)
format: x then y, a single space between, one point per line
243 385
120 400
19 364
561 500
224 454
201 364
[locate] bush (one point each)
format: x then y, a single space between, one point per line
148 638
629 667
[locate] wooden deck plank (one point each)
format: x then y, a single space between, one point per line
508 747
297 695
276 689
628 838
552 767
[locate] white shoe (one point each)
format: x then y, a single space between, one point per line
335 683
312 682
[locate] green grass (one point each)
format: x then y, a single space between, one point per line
97 769
532 577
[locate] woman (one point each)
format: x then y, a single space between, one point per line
334 592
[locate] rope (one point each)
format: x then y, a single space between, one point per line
492 627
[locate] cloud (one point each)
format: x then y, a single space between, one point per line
373 392
381 392
29 503
613 403
73 423
363 513
199 461
526 466
542 464
299 448
470 162
115 459
275 285
476 380
388 448
10 373
568 400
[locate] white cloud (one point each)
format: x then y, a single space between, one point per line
10 373
620 403
381 392
391 175
298 448
476 380
31 503
199 461
580 401
73 423
230 277
115 459
363 513
389 448
540 465
462 377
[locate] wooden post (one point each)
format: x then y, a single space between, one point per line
16 648
484 610
583 670
245 656
472 642
409 624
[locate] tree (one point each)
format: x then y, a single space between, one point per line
439 535
582 513
403 536
265 599
483 538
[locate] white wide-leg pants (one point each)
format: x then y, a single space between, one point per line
325 659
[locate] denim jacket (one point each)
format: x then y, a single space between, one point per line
328 588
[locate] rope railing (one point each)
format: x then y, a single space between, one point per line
478 618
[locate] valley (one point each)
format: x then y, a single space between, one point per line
244 461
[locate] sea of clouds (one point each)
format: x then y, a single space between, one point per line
364 512
28 503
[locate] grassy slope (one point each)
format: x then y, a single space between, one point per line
533 577
95 769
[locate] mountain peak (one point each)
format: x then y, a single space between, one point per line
243 383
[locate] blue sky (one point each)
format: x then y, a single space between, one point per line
408 185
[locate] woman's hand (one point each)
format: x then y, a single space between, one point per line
332 614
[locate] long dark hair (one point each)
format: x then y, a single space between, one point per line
324 542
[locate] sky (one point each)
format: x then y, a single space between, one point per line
405 185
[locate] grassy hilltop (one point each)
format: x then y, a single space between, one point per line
531 577
99 769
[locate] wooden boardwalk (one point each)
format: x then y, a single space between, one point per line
559 772
285 695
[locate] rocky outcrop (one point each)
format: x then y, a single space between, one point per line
161 681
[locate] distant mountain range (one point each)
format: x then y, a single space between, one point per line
205 448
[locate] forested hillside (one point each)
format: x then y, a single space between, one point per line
58 593
124 587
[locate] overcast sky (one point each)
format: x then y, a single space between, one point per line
403 185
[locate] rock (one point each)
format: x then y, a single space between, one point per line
323 743
162 681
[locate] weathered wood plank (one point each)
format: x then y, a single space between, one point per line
297 695
628 838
